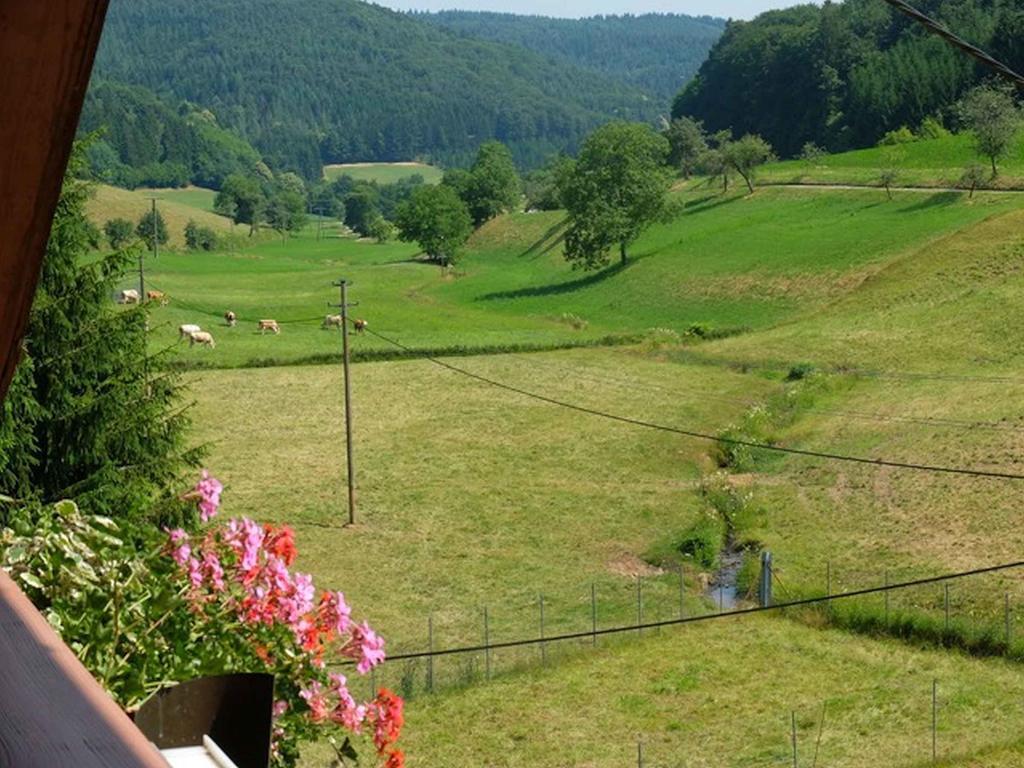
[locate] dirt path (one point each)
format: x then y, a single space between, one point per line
929 190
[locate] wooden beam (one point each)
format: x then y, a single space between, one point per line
53 714
46 55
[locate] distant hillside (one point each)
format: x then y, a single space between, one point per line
658 53
313 82
843 74
145 142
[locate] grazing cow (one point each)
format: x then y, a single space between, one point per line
157 296
361 325
187 330
202 337
129 296
230 318
268 325
332 321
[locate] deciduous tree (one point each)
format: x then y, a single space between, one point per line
992 115
614 191
437 219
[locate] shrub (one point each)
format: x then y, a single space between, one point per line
702 541
141 608
932 128
800 371
199 238
812 154
119 233
902 135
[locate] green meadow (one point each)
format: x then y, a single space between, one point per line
925 163
384 173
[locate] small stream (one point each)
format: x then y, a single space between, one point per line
722 590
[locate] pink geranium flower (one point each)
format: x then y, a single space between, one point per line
208 489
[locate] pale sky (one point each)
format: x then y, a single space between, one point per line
737 9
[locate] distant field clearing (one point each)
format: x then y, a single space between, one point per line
384 173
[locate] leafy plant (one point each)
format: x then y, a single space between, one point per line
142 608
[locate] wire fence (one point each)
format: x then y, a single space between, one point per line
455 650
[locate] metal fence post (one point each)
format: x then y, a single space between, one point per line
593 612
487 643
543 648
430 649
764 591
639 604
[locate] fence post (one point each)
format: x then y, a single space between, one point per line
430 650
828 584
593 612
1006 611
682 593
639 604
935 721
639 753
946 603
886 594
487 643
796 761
764 592
543 648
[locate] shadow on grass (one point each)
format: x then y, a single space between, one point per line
934 201
556 231
554 289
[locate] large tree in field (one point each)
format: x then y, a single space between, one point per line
91 415
992 115
437 219
614 191
491 186
687 144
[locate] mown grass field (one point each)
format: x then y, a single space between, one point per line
384 173
472 497
176 206
193 197
926 163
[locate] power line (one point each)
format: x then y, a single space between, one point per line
937 28
708 437
703 618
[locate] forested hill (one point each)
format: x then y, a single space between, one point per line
324 81
844 74
658 53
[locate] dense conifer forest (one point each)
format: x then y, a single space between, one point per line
657 53
844 74
330 81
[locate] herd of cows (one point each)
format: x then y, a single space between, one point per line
196 335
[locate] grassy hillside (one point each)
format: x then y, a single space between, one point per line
384 173
199 198
794 251
176 206
926 163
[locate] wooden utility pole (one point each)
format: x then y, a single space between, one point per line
343 285
156 239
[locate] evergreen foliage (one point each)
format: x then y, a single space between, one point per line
842 75
657 52
146 143
90 416
334 81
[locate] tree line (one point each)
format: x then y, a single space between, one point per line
843 75
336 81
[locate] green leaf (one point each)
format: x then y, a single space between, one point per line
32 580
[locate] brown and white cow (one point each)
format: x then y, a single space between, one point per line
230 318
204 338
268 325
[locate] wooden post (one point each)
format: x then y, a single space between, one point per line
543 649
796 761
639 605
946 603
935 721
682 593
593 612
1006 614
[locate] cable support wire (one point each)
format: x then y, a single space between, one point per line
937 421
591 633
942 31
939 469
